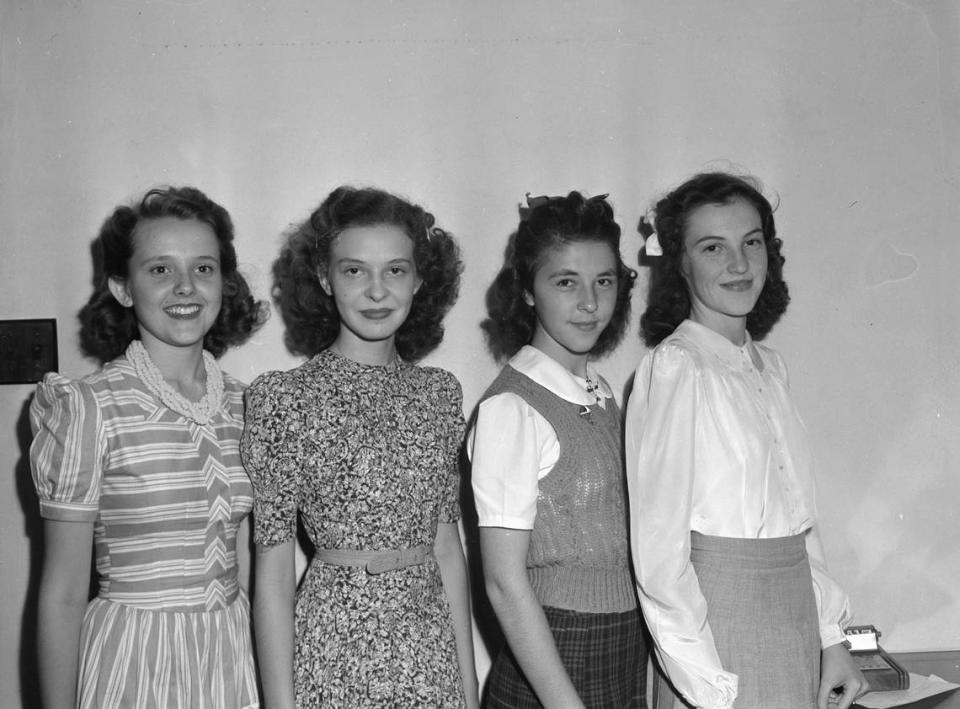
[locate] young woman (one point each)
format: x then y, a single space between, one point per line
547 468
362 446
729 565
142 460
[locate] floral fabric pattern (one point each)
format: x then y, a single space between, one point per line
366 458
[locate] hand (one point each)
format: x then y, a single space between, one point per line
839 671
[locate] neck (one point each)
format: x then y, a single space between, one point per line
380 352
575 362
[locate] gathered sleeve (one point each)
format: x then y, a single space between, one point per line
661 435
452 418
68 449
272 449
506 453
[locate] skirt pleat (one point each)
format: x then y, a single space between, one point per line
149 659
763 614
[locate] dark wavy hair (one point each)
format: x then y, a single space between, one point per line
668 300
550 223
310 315
106 327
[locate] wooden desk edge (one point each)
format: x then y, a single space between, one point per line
944 664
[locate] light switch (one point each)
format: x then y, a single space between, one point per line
28 350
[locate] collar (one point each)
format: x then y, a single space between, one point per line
552 375
734 356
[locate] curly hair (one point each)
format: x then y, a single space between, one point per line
310 315
106 327
550 223
668 300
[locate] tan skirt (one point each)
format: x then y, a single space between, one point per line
763 614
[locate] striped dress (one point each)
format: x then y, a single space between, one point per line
170 626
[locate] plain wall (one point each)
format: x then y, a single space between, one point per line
848 111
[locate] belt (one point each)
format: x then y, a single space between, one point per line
376 562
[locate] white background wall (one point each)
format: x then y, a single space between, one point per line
849 111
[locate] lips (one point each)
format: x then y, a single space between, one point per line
590 325
376 313
739 286
184 311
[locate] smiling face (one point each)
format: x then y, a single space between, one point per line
174 284
372 277
574 296
725 265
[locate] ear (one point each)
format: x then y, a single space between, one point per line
528 298
120 292
416 287
325 284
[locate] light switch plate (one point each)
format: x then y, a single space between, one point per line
28 350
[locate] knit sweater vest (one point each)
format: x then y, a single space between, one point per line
578 558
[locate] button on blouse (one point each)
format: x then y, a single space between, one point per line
715 445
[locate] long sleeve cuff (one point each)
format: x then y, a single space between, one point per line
702 685
831 634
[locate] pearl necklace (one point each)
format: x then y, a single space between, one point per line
198 411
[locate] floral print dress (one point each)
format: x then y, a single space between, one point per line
367 456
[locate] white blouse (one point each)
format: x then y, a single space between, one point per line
512 447
714 444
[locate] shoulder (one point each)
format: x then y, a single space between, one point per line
276 381
56 391
772 360
231 383
676 353
437 380
508 379
76 406
283 393
233 392
113 376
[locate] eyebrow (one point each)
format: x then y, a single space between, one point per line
347 259
162 257
715 236
571 272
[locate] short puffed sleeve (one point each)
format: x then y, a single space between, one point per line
452 418
66 456
271 448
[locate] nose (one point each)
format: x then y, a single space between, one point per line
375 289
738 262
184 285
588 301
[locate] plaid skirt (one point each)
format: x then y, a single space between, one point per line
604 654
763 615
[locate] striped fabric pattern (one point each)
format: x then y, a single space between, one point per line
152 659
170 627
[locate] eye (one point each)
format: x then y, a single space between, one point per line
206 269
565 283
159 270
755 241
397 270
351 271
712 248
607 282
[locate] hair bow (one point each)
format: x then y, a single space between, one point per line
532 203
651 243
